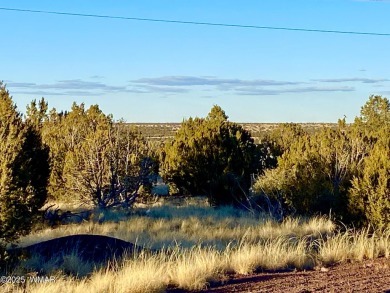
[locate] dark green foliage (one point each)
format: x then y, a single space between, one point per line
64 133
36 115
283 137
369 197
53 134
279 140
314 174
375 113
24 171
298 179
32 166
343 170
370 194
212 156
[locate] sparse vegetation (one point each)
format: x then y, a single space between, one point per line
197 246
341 170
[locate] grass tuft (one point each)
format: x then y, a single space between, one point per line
197 246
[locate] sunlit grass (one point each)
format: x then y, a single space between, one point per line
278 253
197 247
354 246
188 226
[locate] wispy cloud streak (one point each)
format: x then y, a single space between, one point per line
172 85
234 86
208 81
354 79
71 87
311 89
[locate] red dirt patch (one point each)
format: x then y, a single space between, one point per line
367 276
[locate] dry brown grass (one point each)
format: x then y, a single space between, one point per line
201 245
354 246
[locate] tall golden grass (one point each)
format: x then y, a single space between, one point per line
199 246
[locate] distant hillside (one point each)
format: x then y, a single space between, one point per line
164 131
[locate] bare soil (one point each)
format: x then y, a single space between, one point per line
367 276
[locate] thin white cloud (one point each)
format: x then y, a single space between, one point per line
185 84
232 86
311 89
208 81
54 93
81 84
20 84
354 79
87 88
162 89
73 87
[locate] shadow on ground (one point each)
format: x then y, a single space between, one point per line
89 248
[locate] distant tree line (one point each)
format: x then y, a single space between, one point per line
86 155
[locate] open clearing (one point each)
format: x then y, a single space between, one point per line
193 247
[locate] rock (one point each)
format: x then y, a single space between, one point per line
91 248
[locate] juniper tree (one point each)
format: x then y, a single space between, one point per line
24 171
375 113
53 135
212 156
369 197
315 173
106 163
284 135
36 113
370 194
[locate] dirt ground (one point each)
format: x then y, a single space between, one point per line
367 276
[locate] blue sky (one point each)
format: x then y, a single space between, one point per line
164 72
